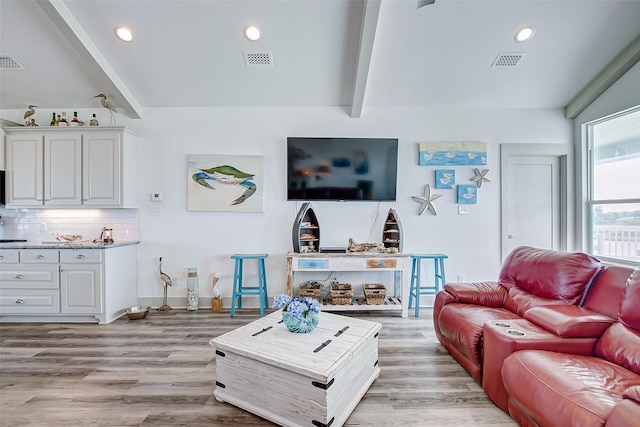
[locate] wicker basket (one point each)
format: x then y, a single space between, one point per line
310 289
341 293
374 293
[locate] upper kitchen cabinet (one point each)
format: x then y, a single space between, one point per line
71 167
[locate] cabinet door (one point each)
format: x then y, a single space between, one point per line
62 169
102 173
24 170
81 288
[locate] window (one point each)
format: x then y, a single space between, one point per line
614 186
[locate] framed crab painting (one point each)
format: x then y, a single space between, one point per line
225 183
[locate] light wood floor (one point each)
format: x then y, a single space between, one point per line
161 371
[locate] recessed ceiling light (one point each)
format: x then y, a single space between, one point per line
251 32
524 34
123 33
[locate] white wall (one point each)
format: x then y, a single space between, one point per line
207 239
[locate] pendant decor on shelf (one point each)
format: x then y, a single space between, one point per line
426 201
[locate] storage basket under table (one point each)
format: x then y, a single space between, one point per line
341 293
310 289
374 293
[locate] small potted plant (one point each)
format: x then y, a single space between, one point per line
299 314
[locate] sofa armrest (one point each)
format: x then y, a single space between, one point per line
569 321
489 294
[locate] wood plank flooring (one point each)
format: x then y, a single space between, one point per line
160 371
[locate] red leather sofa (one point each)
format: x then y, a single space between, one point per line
542 300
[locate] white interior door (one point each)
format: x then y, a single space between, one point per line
534 196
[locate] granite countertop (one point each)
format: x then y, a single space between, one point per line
64 245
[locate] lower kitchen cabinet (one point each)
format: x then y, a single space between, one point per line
67 285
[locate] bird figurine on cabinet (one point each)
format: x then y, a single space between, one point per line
167 282
30 112
109 106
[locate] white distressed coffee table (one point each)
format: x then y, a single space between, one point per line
312 379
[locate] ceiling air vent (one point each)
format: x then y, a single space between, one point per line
507 60
258 59
8 62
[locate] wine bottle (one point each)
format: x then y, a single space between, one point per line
53 119
75 121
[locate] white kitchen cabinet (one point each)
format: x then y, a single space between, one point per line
67 285
71 167
81 282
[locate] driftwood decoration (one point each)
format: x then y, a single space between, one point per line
363 247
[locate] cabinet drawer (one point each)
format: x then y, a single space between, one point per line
9 256
20 276
313 264
38 256
81 255
381 263
29 301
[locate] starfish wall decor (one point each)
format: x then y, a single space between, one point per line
480 177
426 201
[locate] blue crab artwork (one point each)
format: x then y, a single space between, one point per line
226 174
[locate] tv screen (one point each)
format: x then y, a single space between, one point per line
342 168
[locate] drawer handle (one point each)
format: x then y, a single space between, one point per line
80 256
381 264
1 256
19 276
38 257
19 301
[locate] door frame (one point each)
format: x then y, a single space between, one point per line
564 152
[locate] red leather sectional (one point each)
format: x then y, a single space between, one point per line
555 341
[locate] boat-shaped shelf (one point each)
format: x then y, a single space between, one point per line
392 236
306 231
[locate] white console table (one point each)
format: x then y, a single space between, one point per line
398 264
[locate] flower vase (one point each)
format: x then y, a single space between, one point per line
300 326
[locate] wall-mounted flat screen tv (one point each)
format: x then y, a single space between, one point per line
342 168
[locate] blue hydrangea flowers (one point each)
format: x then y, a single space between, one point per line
297 307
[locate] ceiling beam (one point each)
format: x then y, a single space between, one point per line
67 23
365 49
611 73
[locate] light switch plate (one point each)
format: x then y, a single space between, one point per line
156 197
463 210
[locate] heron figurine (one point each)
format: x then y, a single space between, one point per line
30 112
167 282
109 106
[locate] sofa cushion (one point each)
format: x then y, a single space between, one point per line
620 345
629 313
563 389
461 325
490 294
550 274
605 293
519 301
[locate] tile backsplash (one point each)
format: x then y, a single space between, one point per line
39 224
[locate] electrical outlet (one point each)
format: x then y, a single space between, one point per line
156 197
463 210
460 278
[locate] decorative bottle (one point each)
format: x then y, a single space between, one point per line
75 121
93 121
193 290
53 120
63 120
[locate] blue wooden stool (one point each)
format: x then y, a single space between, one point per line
239 290
416 288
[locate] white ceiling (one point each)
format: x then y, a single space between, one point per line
190 53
